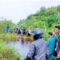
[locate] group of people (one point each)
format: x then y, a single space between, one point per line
15 29
42 50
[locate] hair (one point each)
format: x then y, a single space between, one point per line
37 36
50 33
58 27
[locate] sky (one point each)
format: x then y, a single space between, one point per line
20 9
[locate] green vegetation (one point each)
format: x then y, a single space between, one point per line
9 37
7 53
3 26
13 37
46 19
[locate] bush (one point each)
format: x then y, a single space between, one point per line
7 53
9 37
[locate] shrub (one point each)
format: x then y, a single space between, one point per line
7 53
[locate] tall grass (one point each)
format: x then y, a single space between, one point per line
7 53
9 37
14 37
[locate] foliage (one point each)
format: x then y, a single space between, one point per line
7 53
3 26
9 37
45 18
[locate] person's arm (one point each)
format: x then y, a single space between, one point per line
30 53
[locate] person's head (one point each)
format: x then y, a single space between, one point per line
38 36
37 33
57 29
50 34
7 24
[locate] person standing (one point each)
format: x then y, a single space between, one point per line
51 44
38 48
58 47
7 28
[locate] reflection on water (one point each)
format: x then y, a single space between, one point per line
21 48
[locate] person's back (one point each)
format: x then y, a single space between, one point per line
7 28
41 48
19 32
38 50
51 44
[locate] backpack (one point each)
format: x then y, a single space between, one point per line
19 32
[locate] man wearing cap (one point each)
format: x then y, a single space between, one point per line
38 48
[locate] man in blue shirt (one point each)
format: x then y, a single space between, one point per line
7 28
51 44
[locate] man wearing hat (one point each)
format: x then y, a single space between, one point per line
38 48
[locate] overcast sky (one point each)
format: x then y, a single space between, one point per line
20 9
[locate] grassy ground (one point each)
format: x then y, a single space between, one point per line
7 53
14 37
8 36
